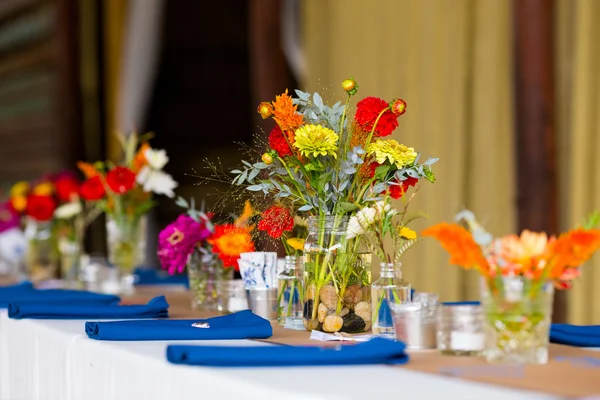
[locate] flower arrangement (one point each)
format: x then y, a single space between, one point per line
323 164
519 274
124 191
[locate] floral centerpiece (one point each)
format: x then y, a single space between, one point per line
519 274
13 245
322 164
124 191
210 252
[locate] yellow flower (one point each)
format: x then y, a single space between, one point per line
296 243
392 151
407 233
316 140
19 189
43 189
19 203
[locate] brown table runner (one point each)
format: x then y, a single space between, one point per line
572 372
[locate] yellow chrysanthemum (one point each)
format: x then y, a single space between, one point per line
316 140
43 189
296 243
407 233
19 189
392 151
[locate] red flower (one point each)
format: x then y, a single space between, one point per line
40 208
92 189
397 191
66 188
398 106
120 180
367 111
275 220
278 143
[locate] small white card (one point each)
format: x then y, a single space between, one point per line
337 336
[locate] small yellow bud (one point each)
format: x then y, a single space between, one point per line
350 86
267 158
265 109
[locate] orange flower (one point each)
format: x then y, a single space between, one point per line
457 241
523 254
284 113
229 242
265 109
88 169
571 250
140 158
243 220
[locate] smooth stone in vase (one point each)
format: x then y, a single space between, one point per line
322 312
363 310
354 323
332 323
353 295
328 296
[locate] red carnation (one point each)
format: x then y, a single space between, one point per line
275 220
66 188
397 191
40 208
367 111
120 180
278 143
92 189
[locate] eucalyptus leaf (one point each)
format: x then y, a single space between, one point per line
181 202
246 163
305 207
302 95
345 207
255 188
260 165
318 100
380 187
235 171
253 174
243 176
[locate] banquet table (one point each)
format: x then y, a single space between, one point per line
54 359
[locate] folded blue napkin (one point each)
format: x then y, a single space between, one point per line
156 308
147 276
60 296
573 335
241 325
16 288
375 351
462 303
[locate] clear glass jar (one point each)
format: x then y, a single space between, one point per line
460 329
289 300
336 279
42 253
232 296
389 288
204 272
126 240
517 314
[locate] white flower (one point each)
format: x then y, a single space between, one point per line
156 181
68 210
354 228
157 159
367 217
384 209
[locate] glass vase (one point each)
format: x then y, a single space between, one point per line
289 300
517 314
389 288
205 271
70 260
336 279
126 240
42 254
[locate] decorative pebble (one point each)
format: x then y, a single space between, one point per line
353 295
310 324
308 309
322 311
344 311
332 323
363 310
354 323
328 296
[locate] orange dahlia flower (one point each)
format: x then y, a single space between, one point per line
229 242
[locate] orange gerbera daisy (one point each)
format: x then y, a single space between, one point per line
88 169
285 114
229 242
457 241
572 249
140 158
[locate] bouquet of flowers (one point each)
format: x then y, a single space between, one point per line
124 191
322 164
518 277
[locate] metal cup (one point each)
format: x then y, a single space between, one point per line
414 326
263 302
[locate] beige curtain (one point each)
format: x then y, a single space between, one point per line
451 61
578 83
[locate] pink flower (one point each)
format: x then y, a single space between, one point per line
178 240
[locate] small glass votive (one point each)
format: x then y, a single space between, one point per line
231 296
460 329
414 324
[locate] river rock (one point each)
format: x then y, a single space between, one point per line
308 309
332 323
353 295
310 291
363 310
322 312
328 297
344 311
353 323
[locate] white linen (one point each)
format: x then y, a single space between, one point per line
54 360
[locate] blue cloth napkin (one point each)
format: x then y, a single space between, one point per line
56 296
16 288
375 351
147 276
574 335
241 325
462 303
156 308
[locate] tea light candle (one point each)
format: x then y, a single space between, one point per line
460 328
465 341
237 304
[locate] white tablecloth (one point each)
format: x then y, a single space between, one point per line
54 360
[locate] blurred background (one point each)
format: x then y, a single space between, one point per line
506 93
